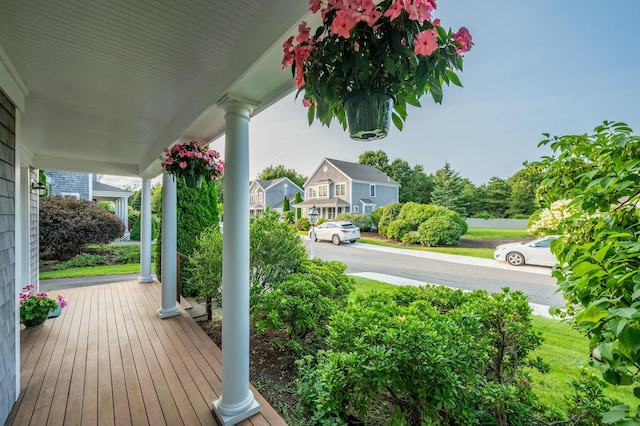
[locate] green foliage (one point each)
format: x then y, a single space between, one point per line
42 178
302 304
68 225
549 221
206 266
439 231
279 171
361 220
389 214
448 190
285 204
524 185
428 355
497 193
599 270
377 159
108 206
80 260
134 224
297 200
125 253
135 201
288 217
412 215
303 224
375 216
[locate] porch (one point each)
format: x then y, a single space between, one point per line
109 359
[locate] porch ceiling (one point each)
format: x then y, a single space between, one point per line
112 82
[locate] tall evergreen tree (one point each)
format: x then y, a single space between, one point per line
285 204
449 190
296 200
497 193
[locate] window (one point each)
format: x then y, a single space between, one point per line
341 189
260 197
356 209
372 190
331 213
323 191
313 193
253 198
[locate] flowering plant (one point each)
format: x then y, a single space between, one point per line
393 46
37 305
190 159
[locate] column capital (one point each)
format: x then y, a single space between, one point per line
235 104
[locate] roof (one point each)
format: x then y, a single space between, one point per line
362 172
266 183
323 202
103 187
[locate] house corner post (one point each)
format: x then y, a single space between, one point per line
169 247
237 402
145 234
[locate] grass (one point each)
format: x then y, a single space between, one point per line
91 271
485 253
564 349
488 233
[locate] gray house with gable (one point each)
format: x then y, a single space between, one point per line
342 187
271 193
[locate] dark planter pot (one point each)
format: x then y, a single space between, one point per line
192 181
368 115
35 322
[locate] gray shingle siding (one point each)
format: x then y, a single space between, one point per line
7 257
68 183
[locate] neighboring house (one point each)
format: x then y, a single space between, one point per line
342 187
271 193
86 186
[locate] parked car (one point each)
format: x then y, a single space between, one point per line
337 232
536 252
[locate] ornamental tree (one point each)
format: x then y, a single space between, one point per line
599 253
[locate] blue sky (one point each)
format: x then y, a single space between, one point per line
556 66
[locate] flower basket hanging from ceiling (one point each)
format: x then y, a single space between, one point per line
192 163
363 49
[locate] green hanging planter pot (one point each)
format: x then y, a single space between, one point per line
192 181
368 115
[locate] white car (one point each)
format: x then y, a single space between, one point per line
337 232
536 252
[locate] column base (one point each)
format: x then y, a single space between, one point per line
142 279
250 409
170 312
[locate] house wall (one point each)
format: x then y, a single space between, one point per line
275 194
384 195
331 174
7 257
69 183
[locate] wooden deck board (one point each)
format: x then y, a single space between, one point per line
109 360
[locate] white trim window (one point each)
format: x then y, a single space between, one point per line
253 198
313 192
341 189
260 197
356 209
323 191
372 190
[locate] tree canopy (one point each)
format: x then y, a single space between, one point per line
277 172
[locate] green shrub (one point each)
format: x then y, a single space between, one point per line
389 214
68 225
126 253
303 224
288 217
375 216
300 306
439 231
397 229
361 220
81 260
134 221
427 355
206 266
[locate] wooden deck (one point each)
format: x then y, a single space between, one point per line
109 360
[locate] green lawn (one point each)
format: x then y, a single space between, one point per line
488 233
92 271
485 253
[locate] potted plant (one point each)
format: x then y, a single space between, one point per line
192 162
368 59
35 308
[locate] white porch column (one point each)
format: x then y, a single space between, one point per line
145 234
237 401
169 247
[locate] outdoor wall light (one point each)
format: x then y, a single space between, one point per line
38 188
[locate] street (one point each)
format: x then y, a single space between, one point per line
434 268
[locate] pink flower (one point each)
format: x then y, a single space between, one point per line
288 56
395 10
29 287
315 5
356 46
183 164
342 24
306 102
426 42
303 32
61 301
464 38
364 11
41 294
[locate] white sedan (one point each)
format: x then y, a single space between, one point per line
536 252
337 232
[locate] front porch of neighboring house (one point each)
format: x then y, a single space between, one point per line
327 208
107 359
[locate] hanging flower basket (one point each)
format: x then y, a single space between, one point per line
192 162
368 115
390 46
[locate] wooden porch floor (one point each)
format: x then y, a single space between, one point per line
109 360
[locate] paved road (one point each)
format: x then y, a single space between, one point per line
436 268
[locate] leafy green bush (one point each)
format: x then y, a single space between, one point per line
81 260
303 224
68 225
389 214
206 266
288 217
428 355
302 304
126 253
411 215
361 220
398 228
439 231
375 216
